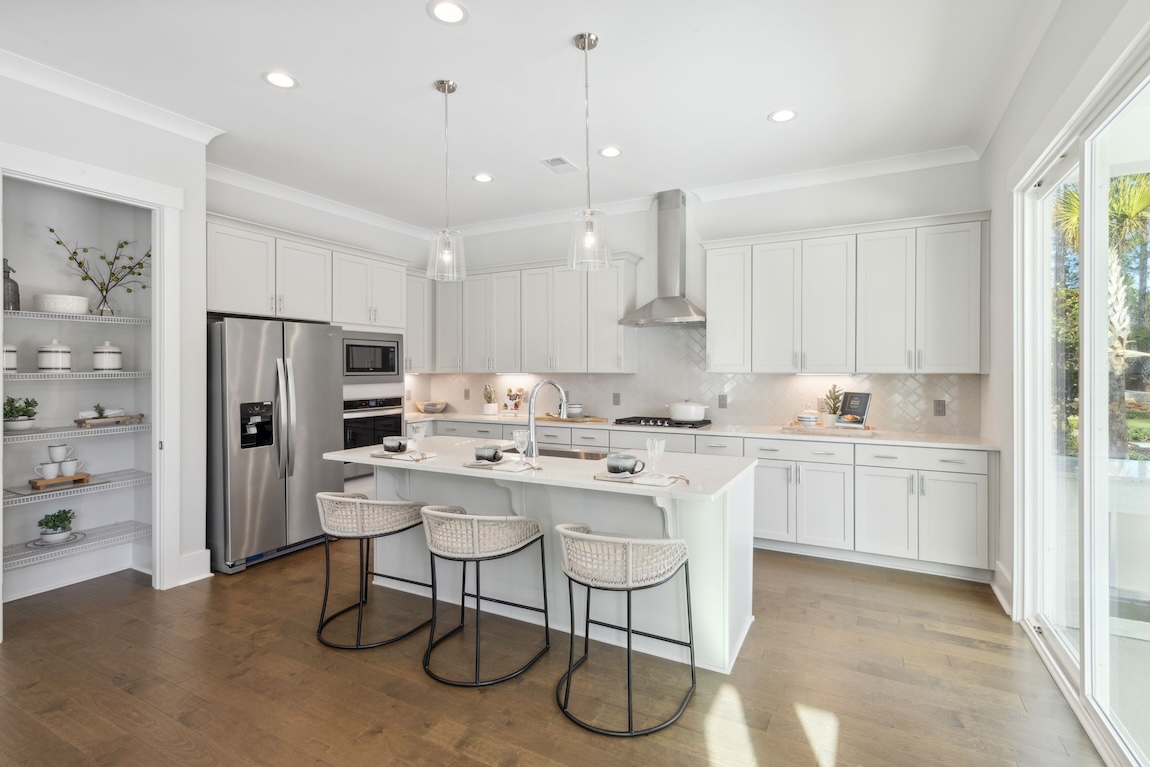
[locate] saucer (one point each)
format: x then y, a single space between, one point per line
478 464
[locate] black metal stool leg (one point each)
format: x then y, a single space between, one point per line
478 608
630 701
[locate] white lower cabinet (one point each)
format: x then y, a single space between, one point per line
825 505
775 512
906 510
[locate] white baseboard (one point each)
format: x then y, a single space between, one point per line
1002 584
195 566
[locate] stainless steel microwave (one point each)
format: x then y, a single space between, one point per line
372 358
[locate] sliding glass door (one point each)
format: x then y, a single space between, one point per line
1116 413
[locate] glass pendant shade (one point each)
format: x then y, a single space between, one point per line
445 259
589 250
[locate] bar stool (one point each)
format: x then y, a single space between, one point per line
614 563
455 535
352 515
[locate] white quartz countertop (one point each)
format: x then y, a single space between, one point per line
761 431
709 475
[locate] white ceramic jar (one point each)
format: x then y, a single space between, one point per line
107 357
10 357
54 357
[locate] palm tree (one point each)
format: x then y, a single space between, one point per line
1129 221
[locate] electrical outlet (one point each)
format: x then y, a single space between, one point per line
615 399
407 395
940 407
722 400
467 394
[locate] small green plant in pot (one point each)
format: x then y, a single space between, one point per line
490 406
57 526
19 412
833 399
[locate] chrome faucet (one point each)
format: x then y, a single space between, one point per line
532 447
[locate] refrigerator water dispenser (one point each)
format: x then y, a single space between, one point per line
256 424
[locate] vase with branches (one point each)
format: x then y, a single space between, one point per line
104 272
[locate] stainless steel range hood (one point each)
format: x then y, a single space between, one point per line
671 307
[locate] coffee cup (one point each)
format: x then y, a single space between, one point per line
59 452
70 466
395 444
624 463
490 453
48 470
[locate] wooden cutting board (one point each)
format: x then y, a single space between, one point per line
580 419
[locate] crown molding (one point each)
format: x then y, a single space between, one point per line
911 162
262 186
46 78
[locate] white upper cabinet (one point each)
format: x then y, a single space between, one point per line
776 317
448 327
554 334
303 281
250 273
828 305
367 292
948 308
919 300
729 310
886 302
611 347
491 323
417 342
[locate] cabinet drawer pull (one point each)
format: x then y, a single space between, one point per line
888 457
712 445
823 452
587 438
484 431
951 460
768 449
552 436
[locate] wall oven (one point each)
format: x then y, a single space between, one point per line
370 358
365 423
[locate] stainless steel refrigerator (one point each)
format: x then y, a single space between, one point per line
275 406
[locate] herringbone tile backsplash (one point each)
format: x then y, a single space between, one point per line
671 368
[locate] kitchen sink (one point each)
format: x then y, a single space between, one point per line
567 452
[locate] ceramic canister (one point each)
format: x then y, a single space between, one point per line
54 356
107 357
10 357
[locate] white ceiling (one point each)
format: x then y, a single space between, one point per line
682 86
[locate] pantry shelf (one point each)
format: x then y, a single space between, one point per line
22 554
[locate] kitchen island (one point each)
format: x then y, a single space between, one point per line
713 513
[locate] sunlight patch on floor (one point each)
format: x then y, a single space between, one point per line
726 734
822 731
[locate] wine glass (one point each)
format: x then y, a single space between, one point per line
655 448
416 432
522 439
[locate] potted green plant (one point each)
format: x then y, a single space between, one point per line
19 413
57 526
833 399
490 406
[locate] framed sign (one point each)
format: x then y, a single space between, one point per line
853 411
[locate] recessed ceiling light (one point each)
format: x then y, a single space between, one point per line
447 11
782 115
280 79
482 178
610 151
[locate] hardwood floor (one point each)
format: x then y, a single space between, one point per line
845 665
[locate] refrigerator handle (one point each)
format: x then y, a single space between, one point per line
281 419
292 422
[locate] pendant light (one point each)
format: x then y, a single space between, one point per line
445 259
589 248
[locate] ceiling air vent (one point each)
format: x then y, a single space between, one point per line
559 164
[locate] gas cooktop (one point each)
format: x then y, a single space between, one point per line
642 420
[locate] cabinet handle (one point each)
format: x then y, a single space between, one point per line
920 359
922 487
281 302
909 360
552 436
888 457
768 450
800 481
951 460
795 360
586 438
271 302
804 368
911 478
823 452
790 475
724 447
